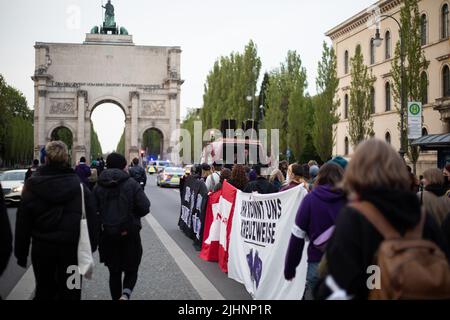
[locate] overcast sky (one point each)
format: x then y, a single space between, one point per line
205 30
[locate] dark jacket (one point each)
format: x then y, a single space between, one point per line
83 172
138 173
260 185
5 235
317 213
352 248
50 211
123 253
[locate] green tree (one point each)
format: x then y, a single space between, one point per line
262 98
286 105
228 84
325 116
415 64
96 148
121 145
360 111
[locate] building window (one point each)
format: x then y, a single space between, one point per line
445 21
387 138
346 106
346 62
346 146
372 51
388 96
388 45
423 29
424 87
446 81
372 100
424 132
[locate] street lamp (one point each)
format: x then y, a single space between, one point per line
377 41
250 98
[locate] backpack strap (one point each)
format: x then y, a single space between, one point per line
376 218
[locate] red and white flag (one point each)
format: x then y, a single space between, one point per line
218 223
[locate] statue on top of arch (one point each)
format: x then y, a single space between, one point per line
109 21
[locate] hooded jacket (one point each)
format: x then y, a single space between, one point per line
50 211
260 185
317 213
355 241
110 180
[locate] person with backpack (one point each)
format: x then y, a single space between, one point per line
49 218
83 171
138 173
383 216
121 203
315 220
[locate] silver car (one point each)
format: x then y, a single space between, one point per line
12 184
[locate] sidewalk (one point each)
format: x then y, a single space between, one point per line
160 278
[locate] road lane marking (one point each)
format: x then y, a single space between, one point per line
199 281
25 288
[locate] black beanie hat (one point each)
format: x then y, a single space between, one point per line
116 161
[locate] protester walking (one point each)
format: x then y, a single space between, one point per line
261 184
206 171
49 216
83 171
277 179
313 172
137 172
434 198
296 177
239 177
283 167
32 170
225 174
315 221
382 207
214 178
121 203
5 235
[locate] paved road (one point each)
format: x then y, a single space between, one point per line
161 276
13 272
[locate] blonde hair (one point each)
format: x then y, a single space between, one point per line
57 152
434 176
376 165
276 174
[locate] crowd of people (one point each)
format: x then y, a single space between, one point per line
351 209
342 241
48 221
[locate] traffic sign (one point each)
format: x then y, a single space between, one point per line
414 120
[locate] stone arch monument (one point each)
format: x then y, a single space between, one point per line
71 80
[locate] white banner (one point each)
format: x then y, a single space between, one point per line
262 226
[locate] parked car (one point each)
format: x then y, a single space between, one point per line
169 177
12 184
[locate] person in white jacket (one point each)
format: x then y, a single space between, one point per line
214 178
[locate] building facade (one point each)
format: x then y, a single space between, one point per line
359 30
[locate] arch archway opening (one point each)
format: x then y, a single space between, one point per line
107 129
65 135
153 144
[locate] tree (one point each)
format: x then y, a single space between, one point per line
359 117
16 128
415 64
96 148
286 104
121 145
231 80
325 117
262 98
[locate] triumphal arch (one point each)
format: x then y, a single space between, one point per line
71 80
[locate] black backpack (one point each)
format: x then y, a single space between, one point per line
116 213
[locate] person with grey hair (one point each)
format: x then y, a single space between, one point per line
49 216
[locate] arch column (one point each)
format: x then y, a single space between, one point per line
80 148
134 149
